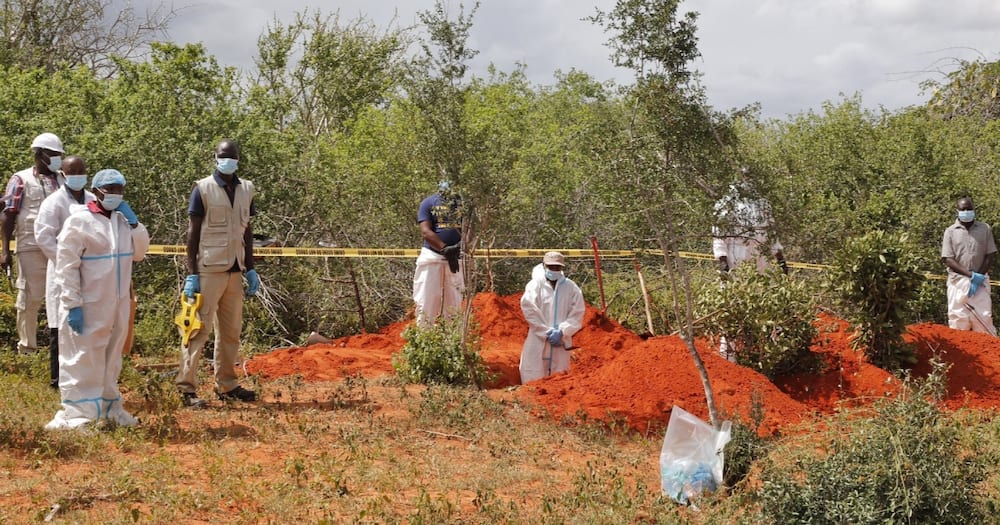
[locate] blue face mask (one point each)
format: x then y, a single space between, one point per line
111 201
55 162
966 215
226 166
553 276
76 182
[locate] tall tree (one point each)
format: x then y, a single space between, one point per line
973 89
53 34
671 144
438 89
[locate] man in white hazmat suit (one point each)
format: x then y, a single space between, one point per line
553 306
742 234
968 250
96 248
51 215
26 190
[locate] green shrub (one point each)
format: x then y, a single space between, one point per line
902 463
874 278
8 320
930 304
765 317
435 355
746 445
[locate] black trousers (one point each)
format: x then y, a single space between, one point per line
54 357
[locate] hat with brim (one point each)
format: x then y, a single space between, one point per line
554 259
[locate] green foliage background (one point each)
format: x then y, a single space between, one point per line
344 130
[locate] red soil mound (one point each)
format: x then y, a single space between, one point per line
973 359
618 376
846 378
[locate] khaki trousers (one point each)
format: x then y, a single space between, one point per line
31 266
222 304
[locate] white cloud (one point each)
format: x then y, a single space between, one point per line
789 55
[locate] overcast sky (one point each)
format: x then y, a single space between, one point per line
788 55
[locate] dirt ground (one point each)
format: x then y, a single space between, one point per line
316 416
617 375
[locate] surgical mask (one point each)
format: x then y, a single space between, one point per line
226 166
553 275
111 201
966 215
76 182
54 163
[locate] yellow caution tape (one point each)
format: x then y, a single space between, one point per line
168 249
164 249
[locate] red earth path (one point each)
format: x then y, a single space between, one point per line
617 376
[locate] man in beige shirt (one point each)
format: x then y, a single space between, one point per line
968 250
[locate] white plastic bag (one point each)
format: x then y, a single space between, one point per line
691 459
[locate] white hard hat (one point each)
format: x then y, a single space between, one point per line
48 141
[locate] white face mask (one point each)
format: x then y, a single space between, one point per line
226 166
111 201
76 182
55 162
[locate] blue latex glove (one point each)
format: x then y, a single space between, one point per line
977 279
253 282
75 319
191 286
126 210
555 337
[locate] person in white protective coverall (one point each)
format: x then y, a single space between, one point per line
742 234
438 282
97 245
25 192
968 250
742 231
553 306
51 215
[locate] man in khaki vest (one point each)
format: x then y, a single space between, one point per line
219 253
25 192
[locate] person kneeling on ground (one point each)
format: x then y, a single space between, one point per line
553 306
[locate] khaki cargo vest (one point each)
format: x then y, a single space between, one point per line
223 225
34 193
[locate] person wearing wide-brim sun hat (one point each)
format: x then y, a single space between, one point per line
553 306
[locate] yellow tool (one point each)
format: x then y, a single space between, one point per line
188 319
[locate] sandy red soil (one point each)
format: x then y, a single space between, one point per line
618 376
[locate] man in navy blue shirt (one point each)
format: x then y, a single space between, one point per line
219 256
437 282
